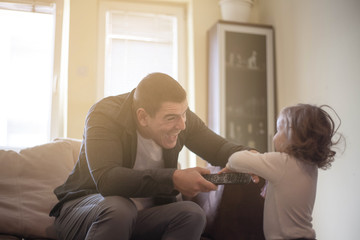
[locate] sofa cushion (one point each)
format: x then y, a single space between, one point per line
27 181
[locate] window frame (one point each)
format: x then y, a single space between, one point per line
176 10
58 125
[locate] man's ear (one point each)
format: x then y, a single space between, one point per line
142 117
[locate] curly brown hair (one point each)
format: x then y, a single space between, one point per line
310 132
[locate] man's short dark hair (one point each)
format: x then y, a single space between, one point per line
155 89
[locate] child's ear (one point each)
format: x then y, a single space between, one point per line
142 117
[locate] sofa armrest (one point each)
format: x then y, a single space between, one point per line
239 214
233 212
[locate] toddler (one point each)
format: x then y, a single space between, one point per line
303 143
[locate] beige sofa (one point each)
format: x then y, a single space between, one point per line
29 176
27 181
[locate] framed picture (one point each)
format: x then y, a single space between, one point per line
242 83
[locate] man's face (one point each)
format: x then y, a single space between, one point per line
167 123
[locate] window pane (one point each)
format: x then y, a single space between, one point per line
129 64
138 44
26 47
142 25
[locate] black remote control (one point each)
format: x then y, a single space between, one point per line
228 178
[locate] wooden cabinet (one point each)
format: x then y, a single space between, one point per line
242 83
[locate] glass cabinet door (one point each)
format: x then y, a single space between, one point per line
241 83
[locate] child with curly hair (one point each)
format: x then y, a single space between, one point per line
303 143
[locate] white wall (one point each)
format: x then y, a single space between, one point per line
318 62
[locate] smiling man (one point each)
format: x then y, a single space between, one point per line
125 182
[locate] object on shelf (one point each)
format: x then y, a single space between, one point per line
236 10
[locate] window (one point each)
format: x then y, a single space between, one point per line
27 56
137 39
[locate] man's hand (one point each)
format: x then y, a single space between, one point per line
190 181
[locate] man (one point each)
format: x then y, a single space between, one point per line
126 179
